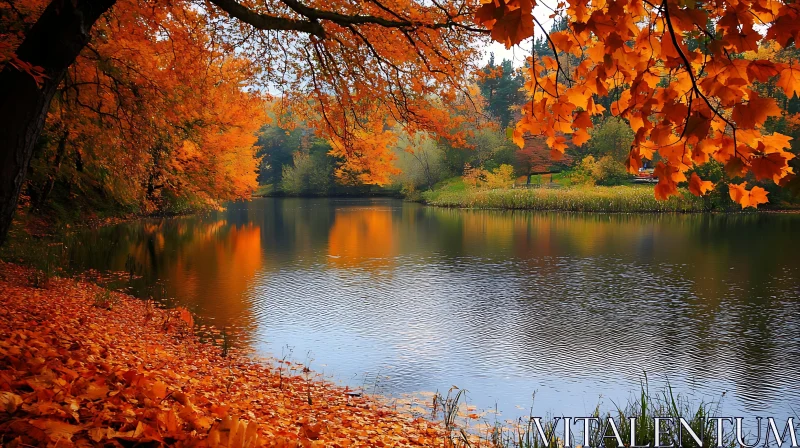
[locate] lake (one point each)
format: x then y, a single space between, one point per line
397 297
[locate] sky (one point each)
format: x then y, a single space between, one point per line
518 53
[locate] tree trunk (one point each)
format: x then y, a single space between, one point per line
52 43
47 188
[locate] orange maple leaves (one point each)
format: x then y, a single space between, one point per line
699 187
510 21
747 198
688 104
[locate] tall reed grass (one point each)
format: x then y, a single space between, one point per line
620 199
643 407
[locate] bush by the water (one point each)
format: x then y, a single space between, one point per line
605 171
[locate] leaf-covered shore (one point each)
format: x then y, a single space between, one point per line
75 371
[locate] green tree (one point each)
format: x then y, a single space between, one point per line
502 91
309 174
276 147
611 137
420 161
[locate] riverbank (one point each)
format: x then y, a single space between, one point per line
619 199
47 224
85 366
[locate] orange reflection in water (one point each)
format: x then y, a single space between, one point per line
362 235
208 265
224 264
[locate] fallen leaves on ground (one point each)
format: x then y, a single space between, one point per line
74 374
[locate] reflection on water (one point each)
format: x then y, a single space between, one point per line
573 306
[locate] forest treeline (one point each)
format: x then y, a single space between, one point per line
298 163
109 148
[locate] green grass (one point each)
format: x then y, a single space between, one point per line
644 406
561 179
620 199
453 184
264 190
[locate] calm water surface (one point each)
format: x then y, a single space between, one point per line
406 298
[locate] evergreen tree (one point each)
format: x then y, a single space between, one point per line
503 90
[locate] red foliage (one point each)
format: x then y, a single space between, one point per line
536 157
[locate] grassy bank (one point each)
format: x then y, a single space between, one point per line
624 199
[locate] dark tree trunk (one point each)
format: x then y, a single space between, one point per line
52 43
78 160
47 188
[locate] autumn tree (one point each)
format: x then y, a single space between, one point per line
346 61
145 122
689 104
536 158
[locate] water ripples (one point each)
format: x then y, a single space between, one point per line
401 298
518 326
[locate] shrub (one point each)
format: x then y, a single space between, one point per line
608 171
308 174
104 299
473 176
582 173
500 177
612 137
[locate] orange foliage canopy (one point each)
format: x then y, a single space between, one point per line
357 84
167 96
688 103
157 107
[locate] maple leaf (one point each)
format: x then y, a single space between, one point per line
735 167
510 22
57 430
755 113
761 70
661 135
697 127
9 402
634 161
768 166
666 186
747 198
758 196
790 80
699 187
739 194
701 151
580 137
558 144
742 42
582 120
517 137
157 390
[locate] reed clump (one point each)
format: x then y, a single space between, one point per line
618 199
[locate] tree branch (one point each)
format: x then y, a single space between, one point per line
268 22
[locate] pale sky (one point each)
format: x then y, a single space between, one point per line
518 53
